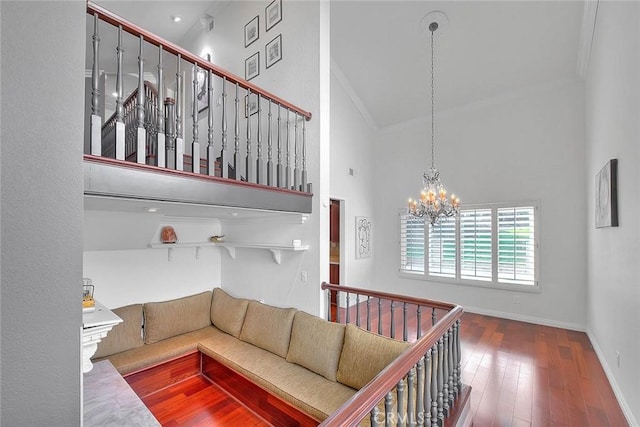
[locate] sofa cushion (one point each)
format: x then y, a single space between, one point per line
268 327
364 355
316 344
124 336
149 355
306 390
170 318
227 312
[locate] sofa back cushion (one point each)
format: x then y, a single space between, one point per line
364 355
124 336
316 344
268 327
227 312
167 319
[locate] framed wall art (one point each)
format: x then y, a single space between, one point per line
252 66
363 237
273 14
273 51
607 195
252 31
250 104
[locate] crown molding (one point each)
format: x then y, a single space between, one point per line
351 93
587 31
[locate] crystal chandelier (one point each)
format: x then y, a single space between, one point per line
433 203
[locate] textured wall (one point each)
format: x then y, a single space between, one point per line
613 131
42 134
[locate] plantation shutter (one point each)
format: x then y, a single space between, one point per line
475 244
411 244
442 248
516 245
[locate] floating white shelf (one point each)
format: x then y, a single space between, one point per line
276 249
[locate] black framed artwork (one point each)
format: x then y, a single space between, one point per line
252 31
273 14
607 195
252 66
273 51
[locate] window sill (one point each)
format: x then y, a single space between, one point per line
472 283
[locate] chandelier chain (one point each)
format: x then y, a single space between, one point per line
433 132
434 202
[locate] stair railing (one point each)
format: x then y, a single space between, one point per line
129 118
152 126
423 386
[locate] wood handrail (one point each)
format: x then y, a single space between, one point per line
132 28
361 404
394 297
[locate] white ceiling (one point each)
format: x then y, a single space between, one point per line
381 53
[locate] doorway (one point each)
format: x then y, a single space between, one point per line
334 251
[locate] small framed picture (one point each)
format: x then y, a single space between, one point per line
250 104
273 13
363 237
273 51
252 31
252 66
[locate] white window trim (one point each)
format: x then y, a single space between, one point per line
493 283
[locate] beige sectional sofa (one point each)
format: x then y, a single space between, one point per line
313 364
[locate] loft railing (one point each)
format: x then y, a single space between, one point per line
262 143
423 386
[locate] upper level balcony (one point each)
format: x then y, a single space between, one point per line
164 125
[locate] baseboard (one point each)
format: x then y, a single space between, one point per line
527 319
626 410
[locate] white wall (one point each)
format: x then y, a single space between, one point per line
352 142
297 79
613 131
125 271
41 211
520 147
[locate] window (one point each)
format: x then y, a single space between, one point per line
476 259
516 246
411 244
442 248
486 245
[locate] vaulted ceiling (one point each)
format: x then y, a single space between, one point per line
380 51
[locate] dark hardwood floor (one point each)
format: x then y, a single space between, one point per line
521 374
529 375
